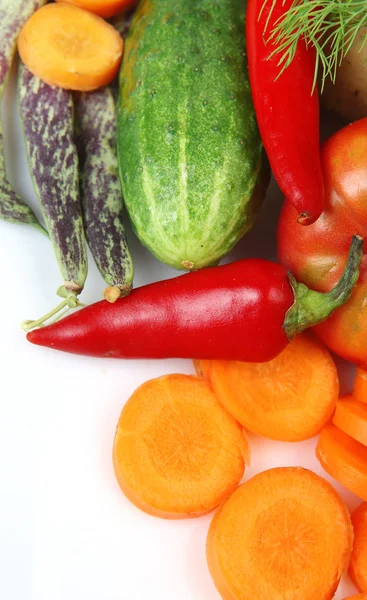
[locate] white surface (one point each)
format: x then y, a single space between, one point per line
66 530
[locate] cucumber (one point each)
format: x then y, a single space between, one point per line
191 161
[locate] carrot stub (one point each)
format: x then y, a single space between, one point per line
177 452
351 417
283 534
358 561
360 385
70 48
343 458
103 8
289 398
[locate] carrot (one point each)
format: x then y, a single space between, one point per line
202 368
357 597
358 561
360 385
282 535
177 453
351 417
289 398
103 8
343 458
70 48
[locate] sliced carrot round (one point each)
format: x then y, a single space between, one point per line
202 368
103 8
360 385
70 48
343 458
358 561
289 398
285 533
351 417
177 452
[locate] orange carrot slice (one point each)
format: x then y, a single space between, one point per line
177 452
289 398
343 458
202 368
360 385
358 561
284 534
70 48
103 8
351 417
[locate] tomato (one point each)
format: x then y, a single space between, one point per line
316 254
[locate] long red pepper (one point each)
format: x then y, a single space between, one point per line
247 310
286 109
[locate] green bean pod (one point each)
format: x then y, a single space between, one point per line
101 194
13 15
47 116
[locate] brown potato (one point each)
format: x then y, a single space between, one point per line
348 96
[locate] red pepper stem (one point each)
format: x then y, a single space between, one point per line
311 307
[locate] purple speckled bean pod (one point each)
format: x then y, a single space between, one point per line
48 122
13 15
101 194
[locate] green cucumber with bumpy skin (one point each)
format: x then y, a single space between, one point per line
47 115
191 161
13 15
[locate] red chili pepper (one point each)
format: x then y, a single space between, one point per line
286 109
247 310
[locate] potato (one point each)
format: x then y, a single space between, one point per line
348 96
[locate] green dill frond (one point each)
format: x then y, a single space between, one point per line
331 26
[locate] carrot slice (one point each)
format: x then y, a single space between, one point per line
284 534
103 8
70 48
358 561
351 417
343 458
360 385
177 453
202 368
289 398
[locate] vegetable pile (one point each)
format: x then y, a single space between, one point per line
211 100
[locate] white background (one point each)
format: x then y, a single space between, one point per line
66 530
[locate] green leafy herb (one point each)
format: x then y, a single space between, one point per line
331 26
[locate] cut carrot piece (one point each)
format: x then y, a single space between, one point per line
351 417
177 452
344 459
360 385
103 8
202 368
284 534
70 48
289 398
358 561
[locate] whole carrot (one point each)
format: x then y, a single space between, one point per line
247 310
13 14
287 109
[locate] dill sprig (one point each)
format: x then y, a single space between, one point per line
331 26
